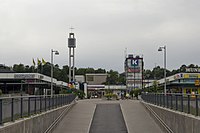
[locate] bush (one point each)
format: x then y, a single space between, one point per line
63 91
136 92
79 93
109 96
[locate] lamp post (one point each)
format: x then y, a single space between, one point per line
160 49
56 53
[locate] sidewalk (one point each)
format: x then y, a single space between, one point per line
137 118
78 119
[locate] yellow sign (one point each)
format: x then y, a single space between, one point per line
197 83
191 75
186 75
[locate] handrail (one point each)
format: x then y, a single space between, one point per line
12 108
187 103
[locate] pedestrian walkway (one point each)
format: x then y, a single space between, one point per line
137 118
79 118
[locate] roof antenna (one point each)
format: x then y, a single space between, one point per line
71 28
125 53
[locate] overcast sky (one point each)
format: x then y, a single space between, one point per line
103 29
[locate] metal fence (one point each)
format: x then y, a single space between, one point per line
12 108
176 101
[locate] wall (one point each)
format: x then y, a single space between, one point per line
178 122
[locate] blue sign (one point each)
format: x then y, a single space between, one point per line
134 63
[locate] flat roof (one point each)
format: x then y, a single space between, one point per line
30 76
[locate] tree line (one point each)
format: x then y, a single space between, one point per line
62 74
114 77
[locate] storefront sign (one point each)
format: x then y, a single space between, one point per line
191 75
193 70
24 76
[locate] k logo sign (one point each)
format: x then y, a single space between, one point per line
134 62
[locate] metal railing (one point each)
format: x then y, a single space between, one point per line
186 103
12 108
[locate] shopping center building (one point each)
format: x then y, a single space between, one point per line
180 83
29 83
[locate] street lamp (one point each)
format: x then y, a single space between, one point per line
161 49
56 53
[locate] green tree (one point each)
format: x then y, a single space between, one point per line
99 70
19 68
47 69
81 71
64 73
90 70
112 78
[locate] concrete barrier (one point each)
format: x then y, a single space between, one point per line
178 122
35 124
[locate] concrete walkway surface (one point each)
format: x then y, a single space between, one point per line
79 118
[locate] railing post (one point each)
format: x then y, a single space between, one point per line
197 110
12 109
40 103
1 110
29 106
56 101
176 102
171 100
65 99
161 103
164 100
21 113
35 107
45 103
68 98
61 100
167 96
157 99
49 102
188 103
52 101
181 102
